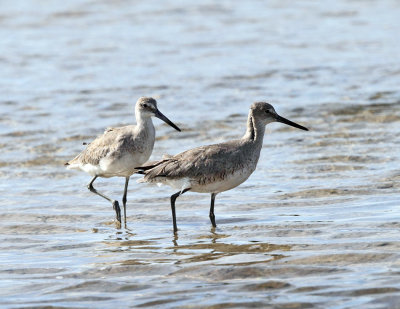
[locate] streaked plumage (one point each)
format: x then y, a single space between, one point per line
215 168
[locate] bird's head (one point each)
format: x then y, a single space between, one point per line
265 113
147 107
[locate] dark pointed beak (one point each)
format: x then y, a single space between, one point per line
159 115
290 123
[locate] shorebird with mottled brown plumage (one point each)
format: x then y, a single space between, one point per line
215 168
119 150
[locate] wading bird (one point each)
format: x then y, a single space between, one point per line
215 168
119 150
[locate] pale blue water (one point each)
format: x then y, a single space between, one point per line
316 226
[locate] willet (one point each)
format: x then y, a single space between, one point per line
215 168
119 150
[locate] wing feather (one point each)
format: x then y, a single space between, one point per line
110 143
202 163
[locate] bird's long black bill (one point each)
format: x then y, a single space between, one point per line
290 123
159 115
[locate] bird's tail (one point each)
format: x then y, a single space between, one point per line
150 165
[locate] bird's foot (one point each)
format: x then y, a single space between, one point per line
117 210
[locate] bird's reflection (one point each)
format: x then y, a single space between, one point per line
130 248
175 239
212 235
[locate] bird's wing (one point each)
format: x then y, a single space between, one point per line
200 162
109 129
106 144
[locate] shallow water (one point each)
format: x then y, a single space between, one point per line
317 224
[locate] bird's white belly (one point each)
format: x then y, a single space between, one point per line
123 166
231 181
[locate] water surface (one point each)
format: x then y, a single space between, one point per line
317 224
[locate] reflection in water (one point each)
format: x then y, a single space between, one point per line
211 247
215 236
175 240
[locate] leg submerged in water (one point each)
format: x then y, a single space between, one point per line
173 199
212 216
124 197
113 202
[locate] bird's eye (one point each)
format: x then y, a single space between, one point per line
267 111
145 105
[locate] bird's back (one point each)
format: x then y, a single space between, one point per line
110 142
115 153
206 164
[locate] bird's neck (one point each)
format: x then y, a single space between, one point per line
145 124
255 130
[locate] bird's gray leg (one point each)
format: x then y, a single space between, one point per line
114 203
173 199
212 216
124 197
